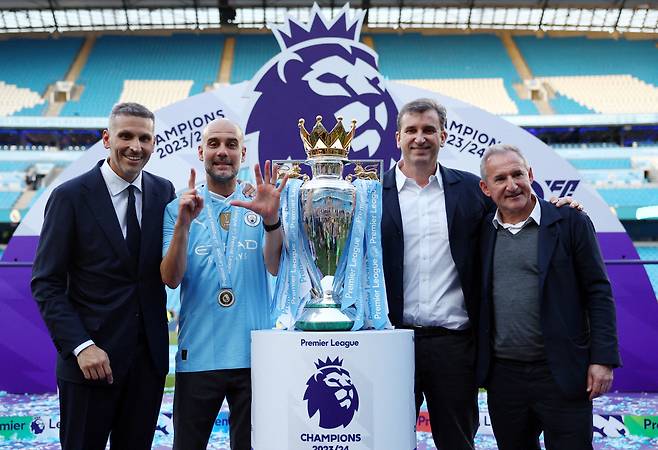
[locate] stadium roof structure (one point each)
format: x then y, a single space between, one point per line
58 16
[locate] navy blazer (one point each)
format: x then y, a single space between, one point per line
577 308
84 281
466 206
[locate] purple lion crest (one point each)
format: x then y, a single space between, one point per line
331 392
37 426
322 69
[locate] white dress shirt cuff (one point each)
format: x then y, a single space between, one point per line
81 347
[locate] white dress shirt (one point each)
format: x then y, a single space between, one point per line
117 187
432 291
514 228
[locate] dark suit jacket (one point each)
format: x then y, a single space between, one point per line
84 281
577 308
466 206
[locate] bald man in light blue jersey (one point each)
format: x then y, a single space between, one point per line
219 247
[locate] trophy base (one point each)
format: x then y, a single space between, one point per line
323 317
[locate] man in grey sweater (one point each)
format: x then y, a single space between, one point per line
547 333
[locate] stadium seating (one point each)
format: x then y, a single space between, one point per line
471 90
636 197
607 163
602 75
415 56
29 66
605 94
155 94
564 105
251 52
578 56
186 58
614 177
583 75
8 198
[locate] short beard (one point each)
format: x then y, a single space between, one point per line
221 179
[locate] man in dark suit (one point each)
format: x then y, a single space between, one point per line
96 279
547 335
430 224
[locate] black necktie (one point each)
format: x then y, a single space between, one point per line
133 233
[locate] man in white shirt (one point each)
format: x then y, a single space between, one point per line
430 225
96 280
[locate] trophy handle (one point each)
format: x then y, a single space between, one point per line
292 168
366 169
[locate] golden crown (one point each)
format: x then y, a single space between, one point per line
320 142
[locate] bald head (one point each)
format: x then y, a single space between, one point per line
221 124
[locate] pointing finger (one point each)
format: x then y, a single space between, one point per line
192 182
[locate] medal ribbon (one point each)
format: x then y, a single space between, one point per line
224 260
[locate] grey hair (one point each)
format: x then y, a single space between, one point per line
421 105
498 149
131 109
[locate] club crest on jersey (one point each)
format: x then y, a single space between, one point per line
252 219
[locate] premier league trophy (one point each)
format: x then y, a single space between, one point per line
332 276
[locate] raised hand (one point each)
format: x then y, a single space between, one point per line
268 195
190 203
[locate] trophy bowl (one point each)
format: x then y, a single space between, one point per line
321 216
327 208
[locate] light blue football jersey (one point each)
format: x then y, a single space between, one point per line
211 336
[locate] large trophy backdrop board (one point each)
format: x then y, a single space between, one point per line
324 69
340 390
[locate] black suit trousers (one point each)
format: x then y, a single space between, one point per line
445 376
525 400
126 411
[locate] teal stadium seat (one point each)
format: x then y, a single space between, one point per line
414 56
564 105
251 52
635 197
8 198
14 166
650 254
35 64
118 58
602 163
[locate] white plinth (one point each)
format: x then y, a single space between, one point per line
363 400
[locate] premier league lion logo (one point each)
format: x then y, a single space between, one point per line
331 392
323 69
37 426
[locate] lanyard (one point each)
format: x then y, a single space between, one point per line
223 260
